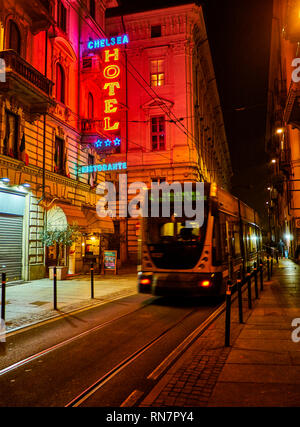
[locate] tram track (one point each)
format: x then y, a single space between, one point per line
93 388
65 342
83 395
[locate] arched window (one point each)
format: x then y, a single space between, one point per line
60 83
14 37
90 106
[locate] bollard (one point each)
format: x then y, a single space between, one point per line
268 267
54 289
271 266
277 258
255 280
240 299
261 276
3 289
92 280
227 317
249 288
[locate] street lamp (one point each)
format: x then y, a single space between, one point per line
279 131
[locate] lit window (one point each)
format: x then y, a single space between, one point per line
157 72
158 133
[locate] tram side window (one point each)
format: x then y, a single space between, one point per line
236 241
223 238
217 243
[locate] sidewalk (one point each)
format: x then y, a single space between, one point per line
31 302
262 366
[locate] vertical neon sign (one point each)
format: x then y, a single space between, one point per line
111 74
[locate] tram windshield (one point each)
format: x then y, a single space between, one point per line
176 242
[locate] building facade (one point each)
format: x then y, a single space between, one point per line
283 129
89 91
173 124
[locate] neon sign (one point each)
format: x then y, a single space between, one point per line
103 167
99 43
107 143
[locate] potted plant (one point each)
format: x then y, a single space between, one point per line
61 238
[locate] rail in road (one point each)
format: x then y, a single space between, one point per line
82 393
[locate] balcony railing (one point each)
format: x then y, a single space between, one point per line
15 64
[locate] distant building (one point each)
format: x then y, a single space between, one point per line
283 127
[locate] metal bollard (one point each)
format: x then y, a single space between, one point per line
255 280
228 312
54 289
92 280
240 299
268 267
249 289
261 276
3 289
271 266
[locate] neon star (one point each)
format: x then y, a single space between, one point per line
107 143
117 141
98 143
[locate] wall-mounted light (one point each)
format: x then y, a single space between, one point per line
279 131
26 185
6 180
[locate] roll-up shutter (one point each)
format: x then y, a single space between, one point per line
11 232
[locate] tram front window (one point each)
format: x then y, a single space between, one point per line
175 243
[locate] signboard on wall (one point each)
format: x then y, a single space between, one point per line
110 261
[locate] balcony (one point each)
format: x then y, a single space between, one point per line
40 12
292 109
26 83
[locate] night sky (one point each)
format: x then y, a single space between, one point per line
239 33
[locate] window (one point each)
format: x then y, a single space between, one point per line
87 63
59 160
92 175
155 31
14 37
158 134
61 16
93 8
11 136
157 72
90 106
60 83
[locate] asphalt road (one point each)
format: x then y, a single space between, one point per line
51 364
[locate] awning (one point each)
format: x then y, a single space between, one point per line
74 215
97 224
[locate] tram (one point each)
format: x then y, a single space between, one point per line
174 262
